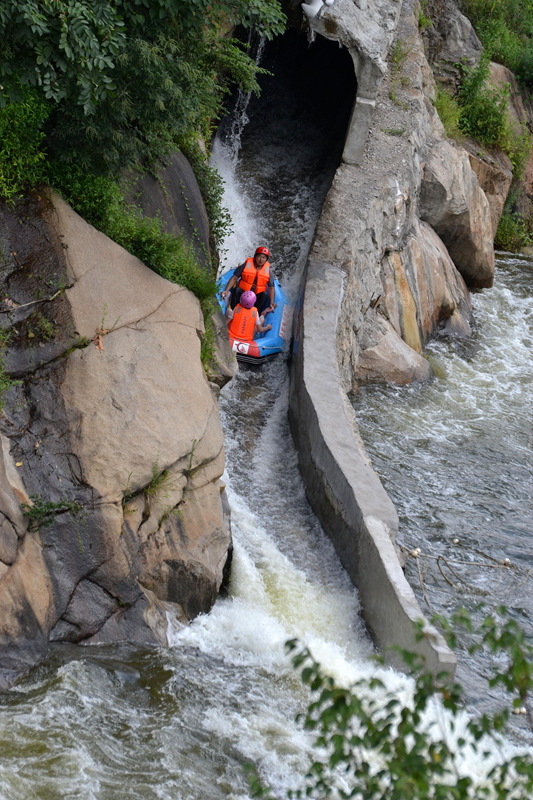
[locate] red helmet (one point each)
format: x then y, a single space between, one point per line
247 299
262 251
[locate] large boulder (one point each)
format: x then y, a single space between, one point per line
424 294
455 206
449 40
173 195
113 431
385 357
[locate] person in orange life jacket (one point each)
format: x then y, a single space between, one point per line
255 276
244 320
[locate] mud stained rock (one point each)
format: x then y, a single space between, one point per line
111 437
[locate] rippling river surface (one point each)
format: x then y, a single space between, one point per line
456 457
178 724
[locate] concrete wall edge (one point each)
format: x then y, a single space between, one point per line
342 488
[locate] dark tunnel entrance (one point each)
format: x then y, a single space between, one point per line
294 139
314 84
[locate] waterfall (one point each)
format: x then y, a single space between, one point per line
239 118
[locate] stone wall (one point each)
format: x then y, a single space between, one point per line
343 489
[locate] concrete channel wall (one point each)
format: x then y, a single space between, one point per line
341 486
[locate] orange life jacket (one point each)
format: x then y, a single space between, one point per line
242 326
254 280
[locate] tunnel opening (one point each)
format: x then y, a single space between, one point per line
294 137
310 84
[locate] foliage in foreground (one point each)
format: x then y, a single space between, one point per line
372 746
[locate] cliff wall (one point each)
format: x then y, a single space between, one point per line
405 230
112 439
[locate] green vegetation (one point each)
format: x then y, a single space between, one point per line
101 202
160 481
43 512
398 57
22 161
39 327
449 112
6 383
512 234
479 111
92 92
483 107
424 21
373 745
399 54
505 28
394 131
124 80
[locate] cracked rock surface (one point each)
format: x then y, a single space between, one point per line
410 226
111 437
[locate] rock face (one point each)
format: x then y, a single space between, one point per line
404 224
375 224
455 206
495 174
449 40
174 196
114 424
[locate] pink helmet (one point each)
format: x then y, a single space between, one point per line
247 299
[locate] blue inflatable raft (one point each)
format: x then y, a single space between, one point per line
265 345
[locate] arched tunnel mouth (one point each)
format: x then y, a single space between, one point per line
293 141
309 84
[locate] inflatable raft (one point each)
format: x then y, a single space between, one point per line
265 345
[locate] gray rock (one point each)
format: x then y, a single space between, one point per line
89 608
449 40
120 431
495 175
174 196
455 206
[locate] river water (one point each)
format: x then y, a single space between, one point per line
456 457
107 723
